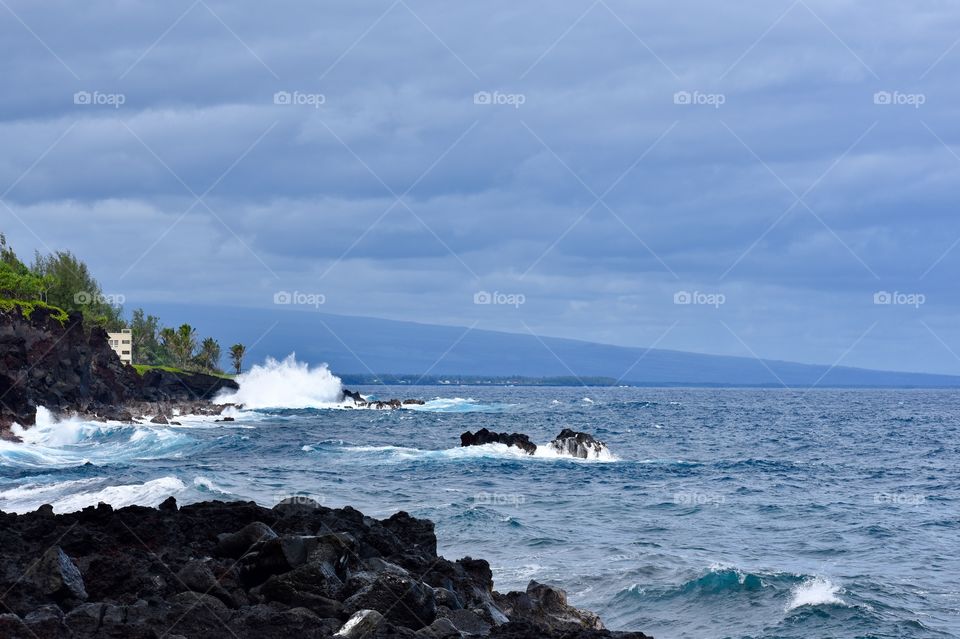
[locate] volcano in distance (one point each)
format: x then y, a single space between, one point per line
359 349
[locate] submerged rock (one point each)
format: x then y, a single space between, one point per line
577 444
484 436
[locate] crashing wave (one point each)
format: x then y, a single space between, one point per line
818 591
285 384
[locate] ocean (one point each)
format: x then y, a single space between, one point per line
719 513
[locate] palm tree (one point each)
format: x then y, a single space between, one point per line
237 351
209 356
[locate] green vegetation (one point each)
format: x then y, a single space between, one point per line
143 369
63 283
27 308
237 351
59 280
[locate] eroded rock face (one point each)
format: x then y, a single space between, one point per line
236 569
70 368
484 436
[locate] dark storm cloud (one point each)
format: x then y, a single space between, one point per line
796 156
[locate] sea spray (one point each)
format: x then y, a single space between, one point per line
817 591
285 384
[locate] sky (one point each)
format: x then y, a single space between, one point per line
771 179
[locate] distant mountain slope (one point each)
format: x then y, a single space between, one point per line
368 345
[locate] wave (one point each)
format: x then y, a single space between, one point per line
285 384
456 405
74 442
65 497
818 591
485 451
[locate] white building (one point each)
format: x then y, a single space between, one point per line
122 345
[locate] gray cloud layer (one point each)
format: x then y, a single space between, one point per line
787 184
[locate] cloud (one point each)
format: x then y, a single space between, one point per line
595 157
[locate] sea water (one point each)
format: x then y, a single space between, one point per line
717 513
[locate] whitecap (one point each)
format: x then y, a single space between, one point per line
817 591
285 384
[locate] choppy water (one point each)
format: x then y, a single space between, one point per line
727 513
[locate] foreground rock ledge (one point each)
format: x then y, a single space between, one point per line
218 569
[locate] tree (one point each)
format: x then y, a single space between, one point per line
145 335
16 280
208 358
237 351
71 286
185 343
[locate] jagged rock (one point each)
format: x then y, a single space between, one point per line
414 402
348 394
57 575
547 607
484 436
576 444
70 368
467 622
362 623
197 577
402 600
182 572
440 629
236 544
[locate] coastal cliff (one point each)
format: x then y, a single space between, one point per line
236 569
56 362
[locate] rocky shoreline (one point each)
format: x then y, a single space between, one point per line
70 369
236 569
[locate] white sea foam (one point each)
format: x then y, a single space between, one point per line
403 453
70 496
285 384
546 451
455 405
74 442
817 591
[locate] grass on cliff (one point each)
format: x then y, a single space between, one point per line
28 307
144 368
